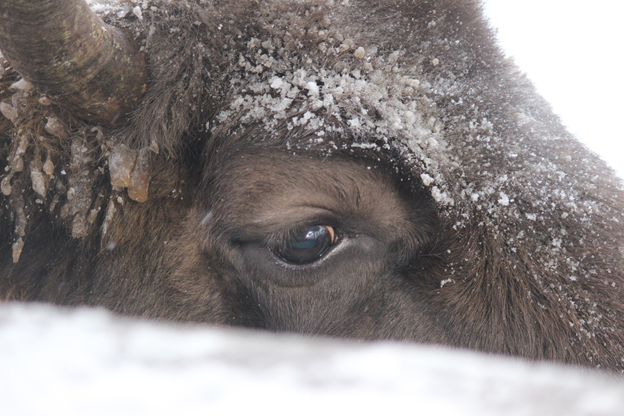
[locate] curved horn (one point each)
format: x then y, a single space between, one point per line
71 55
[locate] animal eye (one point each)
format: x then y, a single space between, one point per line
307 244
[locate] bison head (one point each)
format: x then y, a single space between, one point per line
360 169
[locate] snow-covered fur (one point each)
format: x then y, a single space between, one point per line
465 213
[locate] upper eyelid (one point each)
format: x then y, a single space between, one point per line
257 227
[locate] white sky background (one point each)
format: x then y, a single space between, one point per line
573 51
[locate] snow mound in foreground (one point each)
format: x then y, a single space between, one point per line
83 361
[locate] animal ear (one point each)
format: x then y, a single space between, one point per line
71 55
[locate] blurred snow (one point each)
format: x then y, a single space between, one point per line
572 51
88 362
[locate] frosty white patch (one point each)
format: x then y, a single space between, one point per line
504 199
426 179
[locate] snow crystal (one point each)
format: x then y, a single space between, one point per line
414 83
445 281
441 197
276 83
504 199
138 12
427 180
364 145
354 123
313 88
359 53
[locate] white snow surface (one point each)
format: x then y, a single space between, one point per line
89 362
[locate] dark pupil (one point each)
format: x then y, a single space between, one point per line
307 245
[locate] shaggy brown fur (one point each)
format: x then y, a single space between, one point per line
465 214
